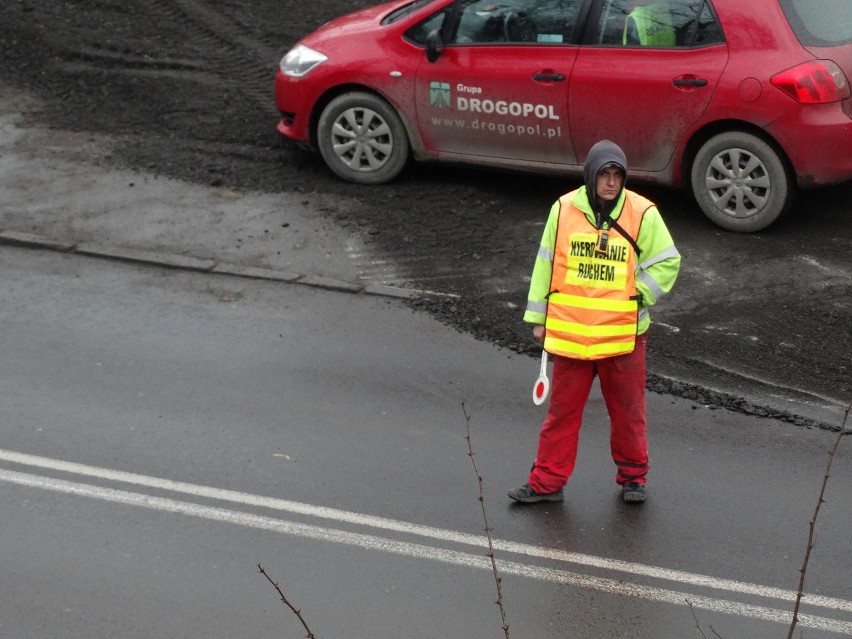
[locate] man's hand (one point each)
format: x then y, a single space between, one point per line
538 333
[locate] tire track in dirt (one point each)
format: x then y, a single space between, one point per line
224 50
244 59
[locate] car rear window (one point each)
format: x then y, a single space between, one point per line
820 23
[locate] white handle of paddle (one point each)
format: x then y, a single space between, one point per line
541 388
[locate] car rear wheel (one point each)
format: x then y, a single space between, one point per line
362 139
740 182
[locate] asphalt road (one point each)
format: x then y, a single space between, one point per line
151 129
165 431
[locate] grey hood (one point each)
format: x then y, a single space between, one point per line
602 154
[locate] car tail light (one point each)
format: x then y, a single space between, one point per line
814 82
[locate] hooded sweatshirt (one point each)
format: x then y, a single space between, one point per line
602 155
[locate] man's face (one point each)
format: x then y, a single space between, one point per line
608 183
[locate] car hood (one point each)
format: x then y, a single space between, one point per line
352 24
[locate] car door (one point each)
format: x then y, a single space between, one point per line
499 88
644 90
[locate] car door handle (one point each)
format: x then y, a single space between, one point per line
689 82
549 77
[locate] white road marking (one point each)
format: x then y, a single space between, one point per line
418 550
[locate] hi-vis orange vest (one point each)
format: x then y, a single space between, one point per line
593 308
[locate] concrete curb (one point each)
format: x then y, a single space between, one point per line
146 257
31 240
203 265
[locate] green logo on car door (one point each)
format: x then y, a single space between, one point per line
439 95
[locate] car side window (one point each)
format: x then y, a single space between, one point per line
707 31
516 22
657 23
417 34
556 19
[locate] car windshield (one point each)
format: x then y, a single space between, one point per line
406 10
820 23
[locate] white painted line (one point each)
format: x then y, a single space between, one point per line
419 551
429 532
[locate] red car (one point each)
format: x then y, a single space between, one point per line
742 102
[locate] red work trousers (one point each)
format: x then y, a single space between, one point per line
622 381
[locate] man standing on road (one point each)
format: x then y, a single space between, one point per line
605 257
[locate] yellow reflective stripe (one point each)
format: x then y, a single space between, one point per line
572 349
592 331
598 304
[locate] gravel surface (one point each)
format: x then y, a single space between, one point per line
182 89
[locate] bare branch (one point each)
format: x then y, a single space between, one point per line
296 612
694 616
490 555
820 502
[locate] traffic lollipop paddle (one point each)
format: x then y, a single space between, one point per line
542 384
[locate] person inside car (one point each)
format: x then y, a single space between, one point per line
649 23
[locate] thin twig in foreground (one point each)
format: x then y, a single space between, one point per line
296 612
819 504
698 625
694 616
490 555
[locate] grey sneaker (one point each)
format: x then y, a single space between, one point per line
527 495
633 492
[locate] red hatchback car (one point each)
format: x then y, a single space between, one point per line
742 102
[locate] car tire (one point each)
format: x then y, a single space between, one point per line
740 182
362 139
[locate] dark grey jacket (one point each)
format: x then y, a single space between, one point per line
603 154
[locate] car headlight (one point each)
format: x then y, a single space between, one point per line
300 60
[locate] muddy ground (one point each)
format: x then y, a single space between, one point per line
183 88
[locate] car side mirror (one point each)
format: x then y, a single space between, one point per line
434 45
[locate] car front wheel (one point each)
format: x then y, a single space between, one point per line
362 139
740 182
